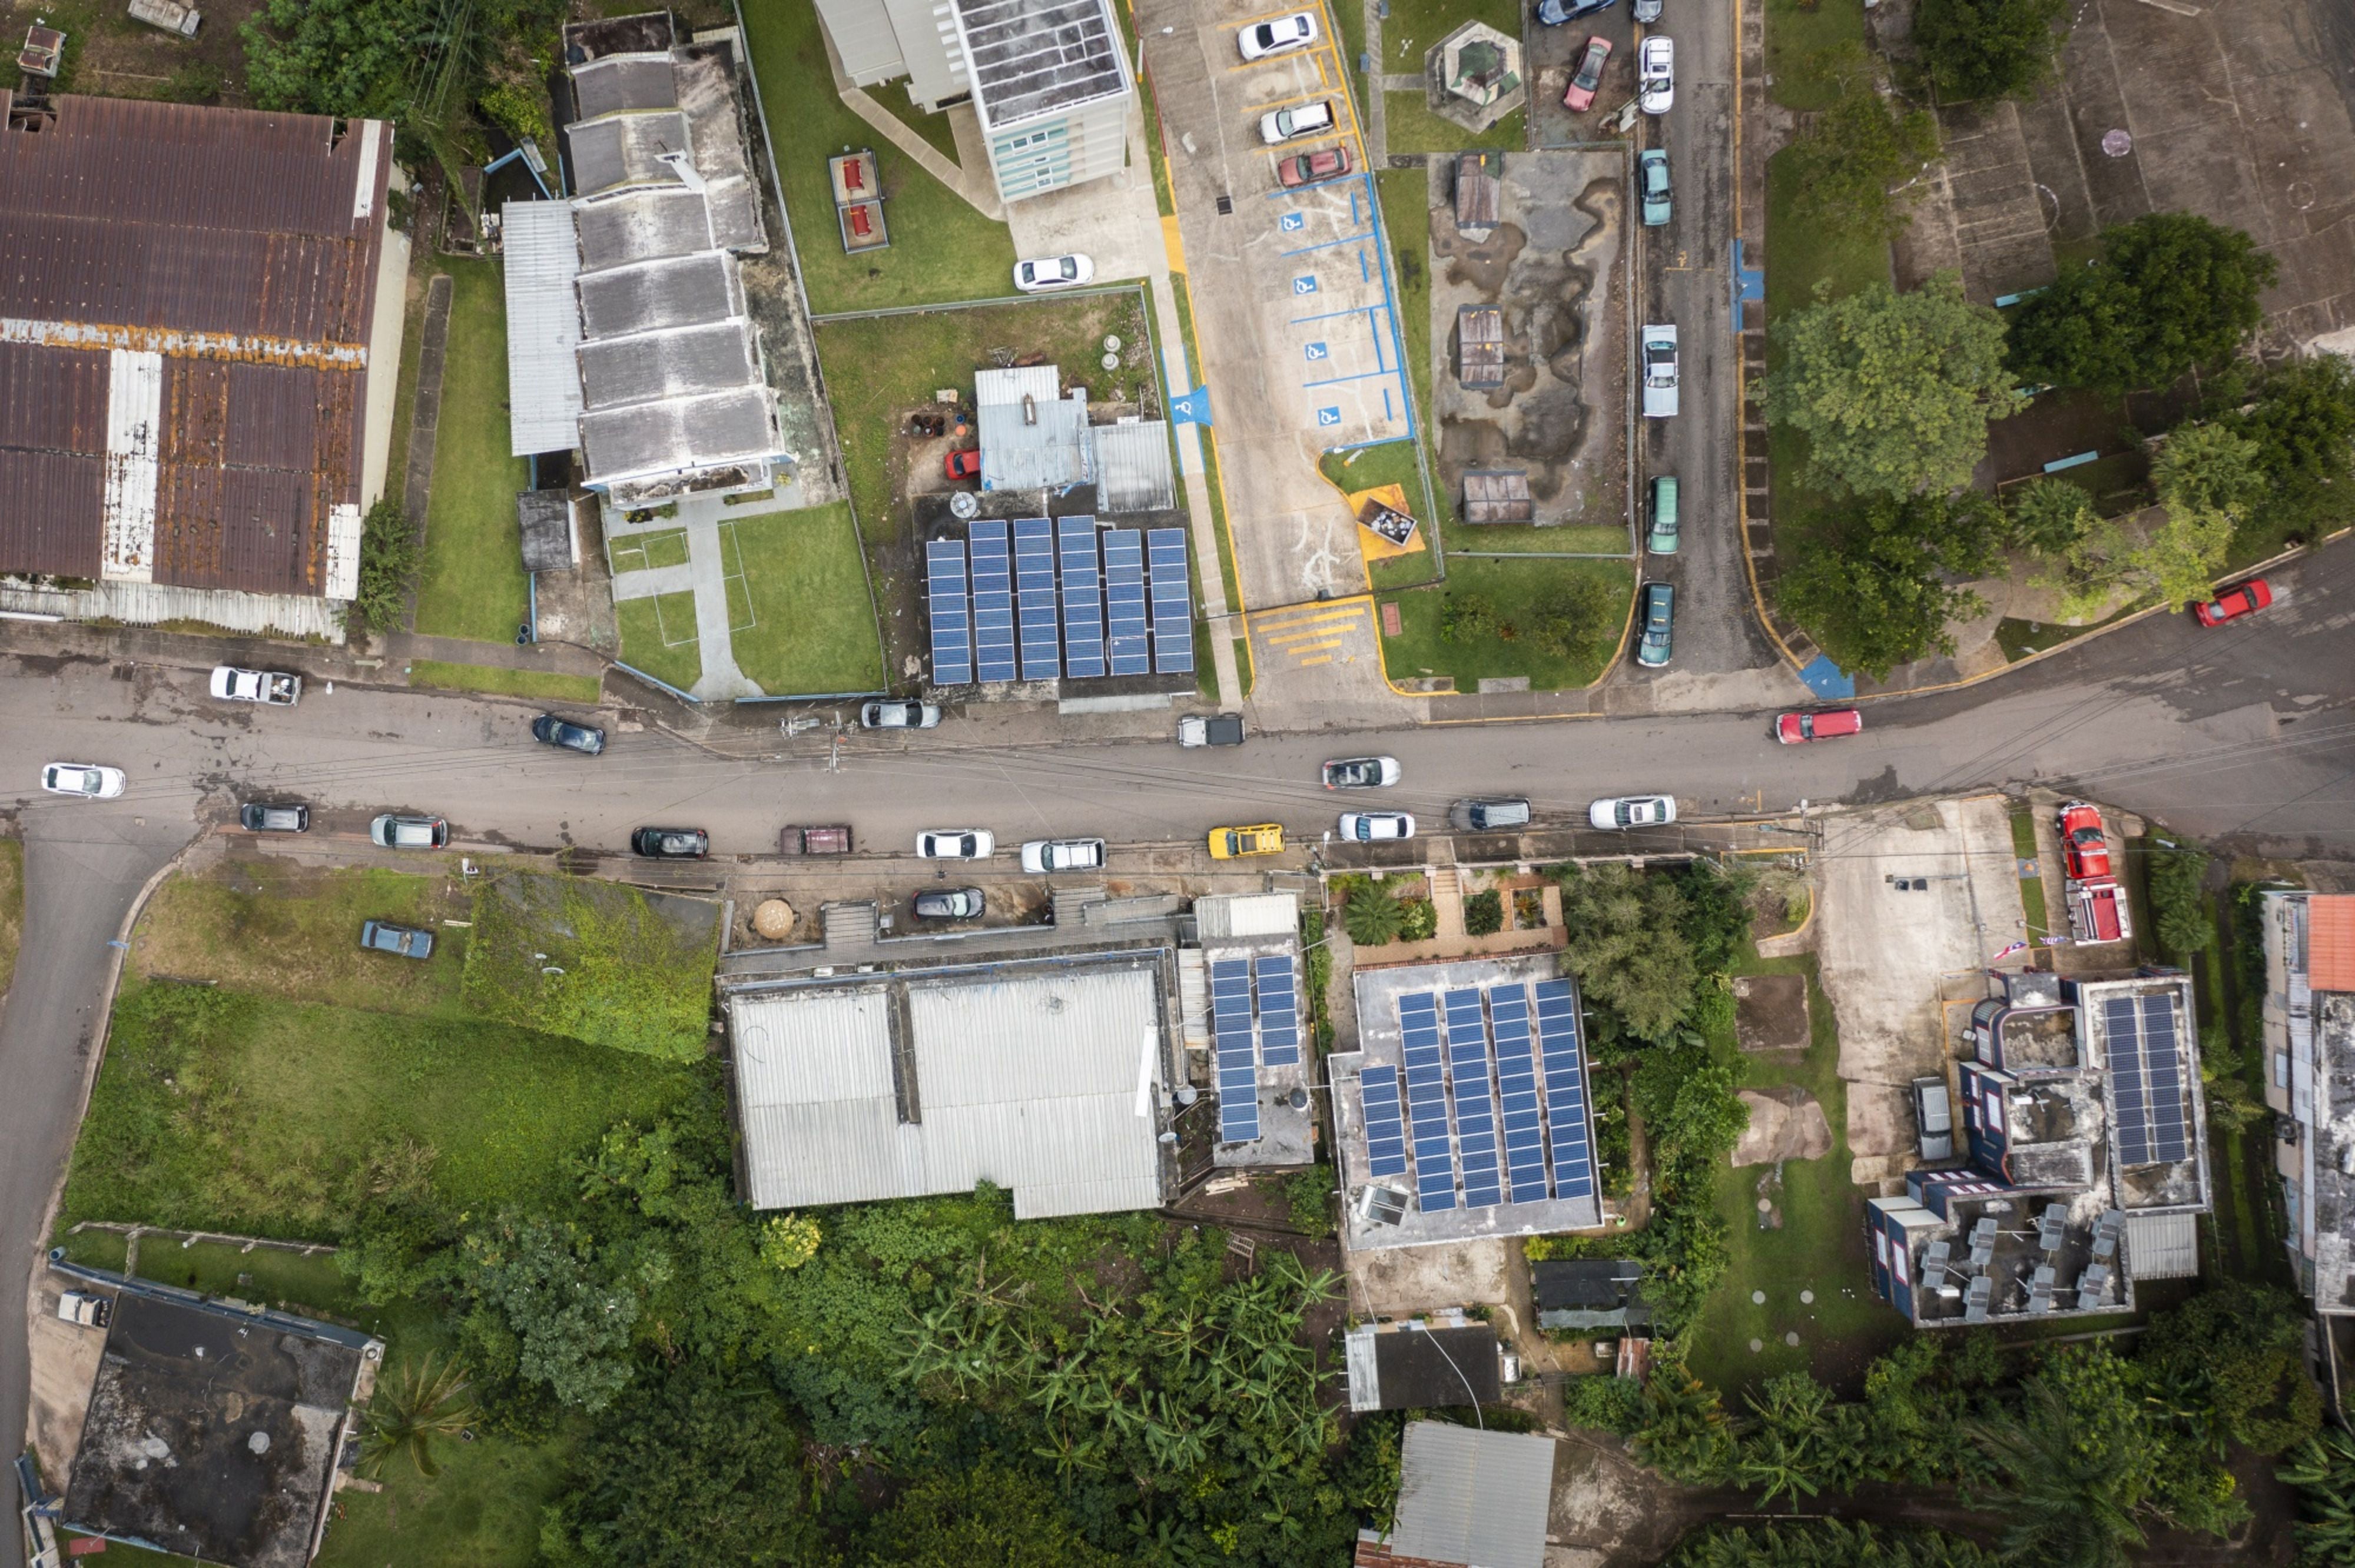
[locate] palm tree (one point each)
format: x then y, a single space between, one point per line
429 1400
2064 1503
2323 1470
1372 917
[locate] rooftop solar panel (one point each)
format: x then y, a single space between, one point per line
1476 1102
1034 595
1082 601
949 612
1128 651
992 602
1516 1092
1426 1099
1385 1121
1565 1089
1279 1011
1173 603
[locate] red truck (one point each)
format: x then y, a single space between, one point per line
831 839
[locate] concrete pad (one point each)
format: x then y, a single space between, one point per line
1770 1012
1787 1125
65 1361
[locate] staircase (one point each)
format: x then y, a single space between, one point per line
849 924
1447 899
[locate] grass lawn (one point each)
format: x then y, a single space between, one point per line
1350 31
292 932
220 1110
1410 126
1572 539
546 685
12 907
646 627
941 249
1796 33
2031 888
892 96
472 583
2018 639
1404 197
812 623
1413 26
482 1511
1818 1246
649 552
1513 588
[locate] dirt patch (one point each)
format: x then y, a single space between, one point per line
111 55
1400 1282
1784 1123
1770 1012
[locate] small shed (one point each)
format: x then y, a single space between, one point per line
1133 473
1406 1366
1480 346
1032 437
1497 495
545 518
1479 194
1469 1497
1591 1293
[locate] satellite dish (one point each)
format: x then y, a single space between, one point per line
965 504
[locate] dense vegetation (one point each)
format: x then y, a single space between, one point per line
1988 49
2171 291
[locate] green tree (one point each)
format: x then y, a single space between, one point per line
2179 560
343 57
2209 468
2052 516
2170 292
1826 1543
2230 1363
1574 615
430 1398
2323 1471
390 555
2303 420
1372 917
1988 49
2177 872
1872 601
543 1312
1484 912
1846 167
1683 1432
2070 1483
1893 391
991 1514
1627 946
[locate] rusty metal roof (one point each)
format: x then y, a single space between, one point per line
239 248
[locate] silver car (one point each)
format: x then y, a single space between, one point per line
1633 812
392 832
1041 856
899 715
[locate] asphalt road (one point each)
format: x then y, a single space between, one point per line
2244 735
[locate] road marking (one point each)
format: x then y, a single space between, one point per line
1313 647
1320 659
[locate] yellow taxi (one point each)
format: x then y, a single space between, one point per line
1231 844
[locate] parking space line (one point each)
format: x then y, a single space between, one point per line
1320 659
1360 376
1358 238
1335 315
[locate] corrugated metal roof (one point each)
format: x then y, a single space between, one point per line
639 226
1247 915
1471 1497
864 40
2162 1246
1044 1084
1133 467
625 83
2330 941
1034 57
543 258
1030 439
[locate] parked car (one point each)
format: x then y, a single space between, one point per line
1300 120
1662 540
403 941
1312 168
1658 616
2084 846
1554 13
1277 36
1652 185
258 817
1362 772
1647 11
1044 855
1491 816
87 779
671 843
1234 843
1656 74
1796 729
1633 812
1210 729
964 465
392 832
1045 274
899 715
232 684
1376 827
549 730
955 844
831 837
1934 1114
950 904
1659 372
1584 82
2240 599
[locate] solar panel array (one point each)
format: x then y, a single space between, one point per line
993 603
947 610
1123 556
1083 617
1231 1028
1173 611
1034 597
1278 1010
2146 1080
1449 1067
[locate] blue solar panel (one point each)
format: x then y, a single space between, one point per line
1279 1011
949 612
1083 626
1426 1102
1517 1090
992 602
1034 597
1124 560
1232 1029
1476 1103
1173 603
1565 1090
1385 1125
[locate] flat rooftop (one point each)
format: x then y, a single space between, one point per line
1034 58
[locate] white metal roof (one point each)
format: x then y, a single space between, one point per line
1030 439
543 328
2163 1246
1231 914
1472 1497
1133 467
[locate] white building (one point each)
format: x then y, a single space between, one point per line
2310 1035
1048 78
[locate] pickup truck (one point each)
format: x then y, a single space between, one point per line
232 684
833 839
82 1307
1210 729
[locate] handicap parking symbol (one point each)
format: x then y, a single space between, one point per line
1293 221
1329 416
1304 285
1316 350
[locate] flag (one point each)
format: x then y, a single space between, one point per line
2015 947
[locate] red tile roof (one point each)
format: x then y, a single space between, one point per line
2330 941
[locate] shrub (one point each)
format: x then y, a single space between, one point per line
1573 615
1372 917
1484 912
390 555
1418 920
2176 874
1859 150
1988 49
1308 1197
1464 617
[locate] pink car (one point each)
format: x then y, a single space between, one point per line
1588 77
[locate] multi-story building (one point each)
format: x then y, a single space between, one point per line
2309 1043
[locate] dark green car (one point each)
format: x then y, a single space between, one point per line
1662 540
1657 614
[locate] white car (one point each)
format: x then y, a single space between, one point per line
232 684
1376 827
1656 74
87 779
1633 812
1045 274
1277 34
899 715
955 844
1063 854
1300 120
1659 372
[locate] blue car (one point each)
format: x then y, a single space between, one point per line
403 941
1658 616
1652 186
1554 13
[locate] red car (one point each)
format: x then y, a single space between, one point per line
1795 730
965 465
2240 599
1314 168
1580 96
2084 843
